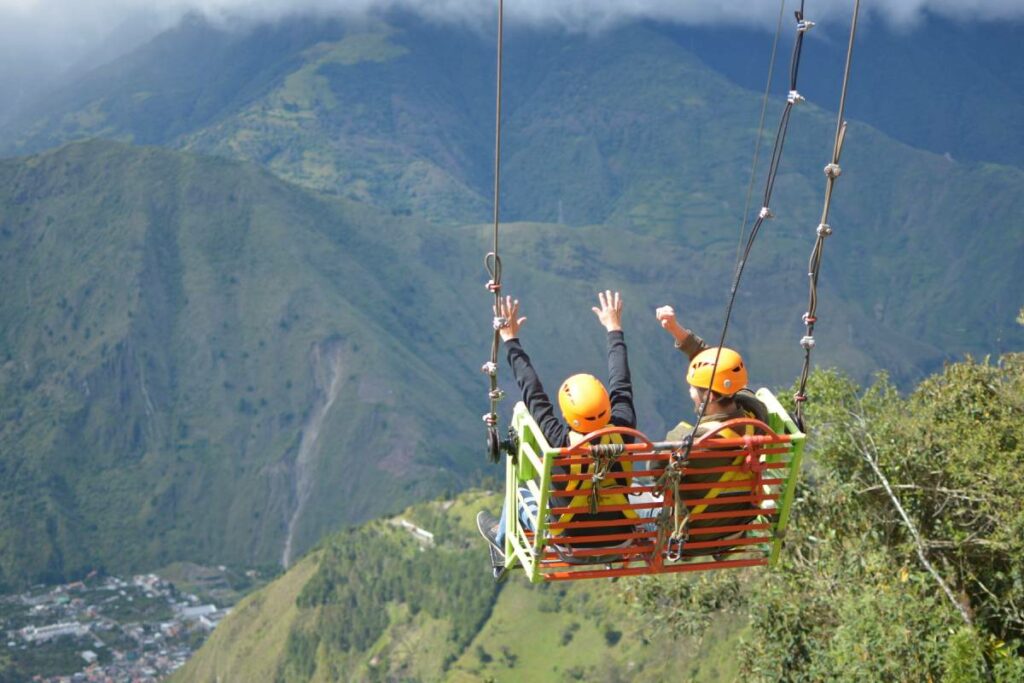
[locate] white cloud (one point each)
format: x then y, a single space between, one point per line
53 33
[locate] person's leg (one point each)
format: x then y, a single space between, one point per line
647 513
527 513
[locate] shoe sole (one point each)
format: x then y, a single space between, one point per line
497 554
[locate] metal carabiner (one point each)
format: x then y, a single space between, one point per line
677 554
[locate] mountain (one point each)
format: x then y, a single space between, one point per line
631 128
211 360
201 361
379 603
945 86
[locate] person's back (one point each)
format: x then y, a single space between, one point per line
586 407
719 377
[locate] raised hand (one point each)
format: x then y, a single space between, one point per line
507 314
610 311
666 315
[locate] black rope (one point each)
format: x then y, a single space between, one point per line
492 262
760 129
832 173
793 98
765 213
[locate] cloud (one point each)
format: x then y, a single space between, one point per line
51 34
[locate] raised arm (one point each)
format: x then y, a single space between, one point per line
620 384
686 341
536 399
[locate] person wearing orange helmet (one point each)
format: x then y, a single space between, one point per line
585 403
723 374
726 379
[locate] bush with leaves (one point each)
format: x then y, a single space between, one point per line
865 591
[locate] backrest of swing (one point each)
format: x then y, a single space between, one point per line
737 488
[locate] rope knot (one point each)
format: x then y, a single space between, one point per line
794 97
493 286
824 230
807 342
496 395
490 419
804 25
489 368
766 213
499 322
833 171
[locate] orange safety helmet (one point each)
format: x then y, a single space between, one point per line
584 403
729 377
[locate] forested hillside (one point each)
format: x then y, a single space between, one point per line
201 361
851 601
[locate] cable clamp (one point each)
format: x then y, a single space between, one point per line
833 171
499 322
496 395
766 213
489 368
490 419
807 342
794 97
493 286
804 25
824 230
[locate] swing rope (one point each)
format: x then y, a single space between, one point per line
492 262
832 173
793 98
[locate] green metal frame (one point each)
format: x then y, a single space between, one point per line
781 423
530 467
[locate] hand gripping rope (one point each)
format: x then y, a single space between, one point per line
832 173
492 262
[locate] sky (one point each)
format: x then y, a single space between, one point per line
46 36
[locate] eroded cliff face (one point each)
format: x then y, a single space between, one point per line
327 360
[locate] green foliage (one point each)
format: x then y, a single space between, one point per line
363 574
683 605
852 601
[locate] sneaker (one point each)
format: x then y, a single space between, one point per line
487 525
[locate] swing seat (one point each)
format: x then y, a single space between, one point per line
737 491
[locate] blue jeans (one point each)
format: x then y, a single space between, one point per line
529 507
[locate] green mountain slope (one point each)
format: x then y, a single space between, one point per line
201 361
627 128
376 603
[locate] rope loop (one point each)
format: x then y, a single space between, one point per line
492 262
605 457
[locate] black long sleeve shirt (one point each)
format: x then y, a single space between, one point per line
555 430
